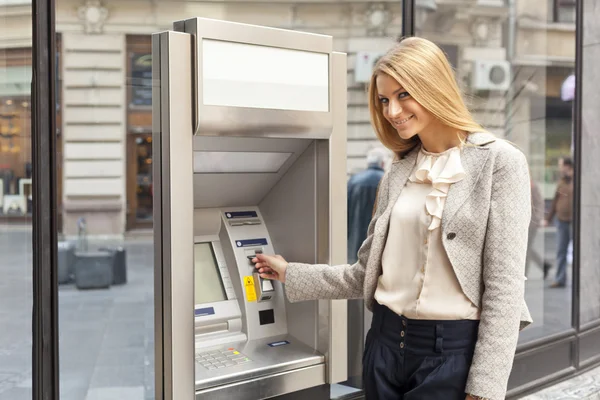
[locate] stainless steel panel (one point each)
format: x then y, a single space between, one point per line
288 210
241 189
255 34
337 355
157 213
316 186
230 121
323 232
265 360
268 386
242 143
217 120
174 171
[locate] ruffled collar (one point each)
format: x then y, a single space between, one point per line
440 170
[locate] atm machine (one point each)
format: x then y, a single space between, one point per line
249 139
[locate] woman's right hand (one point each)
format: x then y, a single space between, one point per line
271 267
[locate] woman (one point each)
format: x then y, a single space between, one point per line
442 267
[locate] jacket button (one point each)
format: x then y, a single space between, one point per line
451 235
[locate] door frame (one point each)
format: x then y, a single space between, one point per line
45 366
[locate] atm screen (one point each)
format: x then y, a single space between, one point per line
208 283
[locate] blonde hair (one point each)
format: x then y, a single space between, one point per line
423 70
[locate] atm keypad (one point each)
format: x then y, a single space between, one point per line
217 359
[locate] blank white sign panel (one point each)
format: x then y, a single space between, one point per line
246 75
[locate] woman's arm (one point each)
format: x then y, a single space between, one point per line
321 281
503 276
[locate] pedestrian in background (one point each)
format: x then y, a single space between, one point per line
562 209
362 191
537 220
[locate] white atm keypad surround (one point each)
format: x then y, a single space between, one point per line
263 302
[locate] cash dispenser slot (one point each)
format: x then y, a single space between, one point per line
209 329
264 288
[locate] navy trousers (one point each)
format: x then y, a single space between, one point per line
407 359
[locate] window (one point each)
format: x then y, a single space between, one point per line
564 11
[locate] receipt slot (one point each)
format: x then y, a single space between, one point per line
249 135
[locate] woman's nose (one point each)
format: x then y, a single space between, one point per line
395 110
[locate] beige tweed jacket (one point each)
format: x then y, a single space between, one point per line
484 231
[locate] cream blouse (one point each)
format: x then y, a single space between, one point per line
418 280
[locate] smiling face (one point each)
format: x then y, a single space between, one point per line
403 112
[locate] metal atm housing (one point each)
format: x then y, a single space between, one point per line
249 133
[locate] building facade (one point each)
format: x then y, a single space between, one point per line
104 83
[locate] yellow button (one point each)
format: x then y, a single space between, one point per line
236 352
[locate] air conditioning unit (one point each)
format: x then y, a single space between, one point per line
363 65
490 75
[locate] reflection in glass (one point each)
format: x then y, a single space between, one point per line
105 249
16 296
15 145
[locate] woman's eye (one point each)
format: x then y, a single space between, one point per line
383 100
403 95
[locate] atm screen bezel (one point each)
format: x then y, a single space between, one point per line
218 269
223 309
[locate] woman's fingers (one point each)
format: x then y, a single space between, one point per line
269 276
274 262
270 267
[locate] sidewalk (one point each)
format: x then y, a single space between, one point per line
583 387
